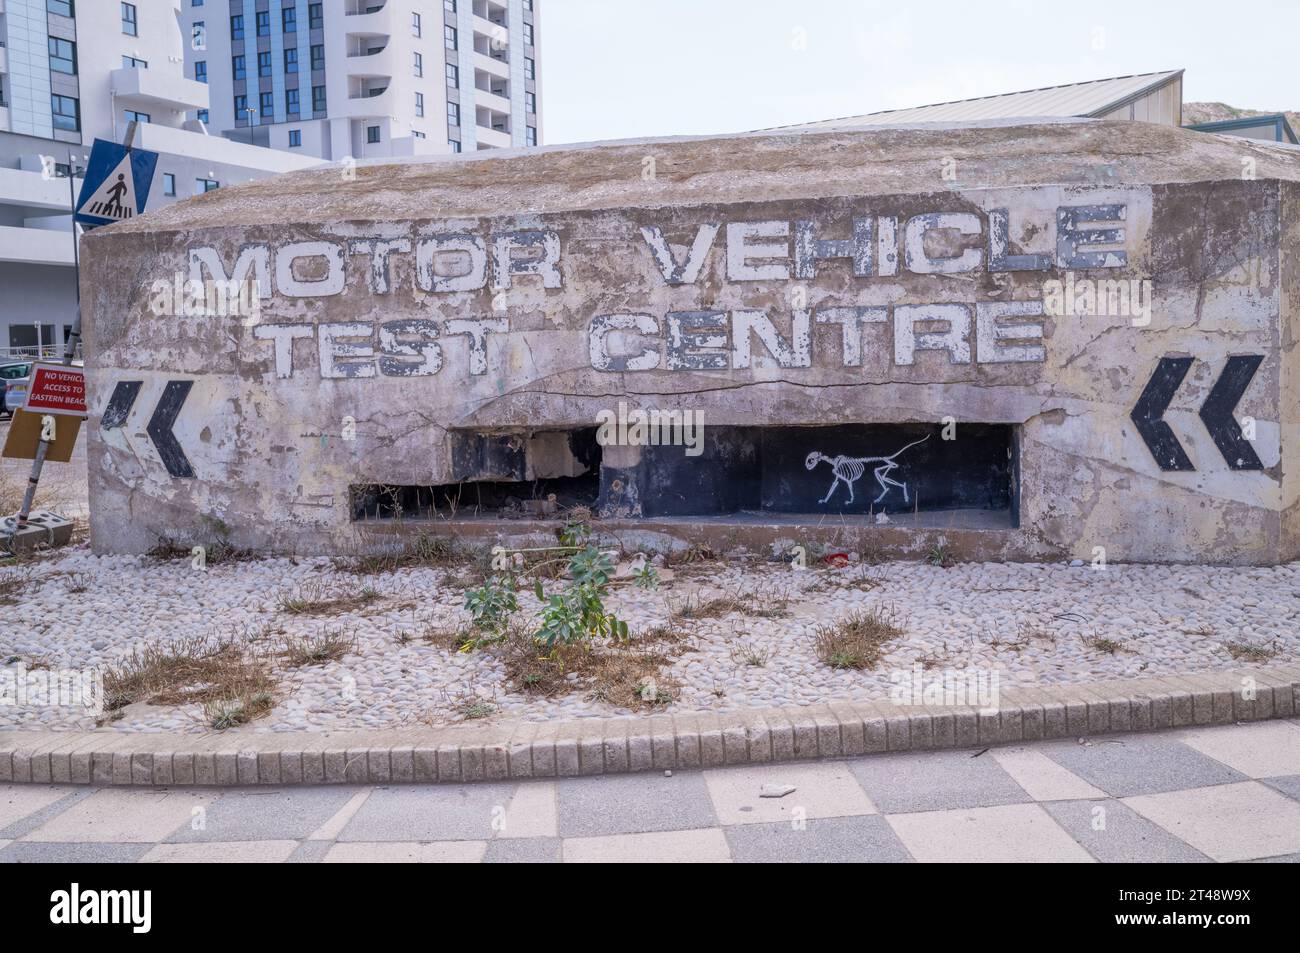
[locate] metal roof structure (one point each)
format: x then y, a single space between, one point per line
1075 100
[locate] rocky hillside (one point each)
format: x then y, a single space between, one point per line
1214 112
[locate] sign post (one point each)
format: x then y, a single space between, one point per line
115 188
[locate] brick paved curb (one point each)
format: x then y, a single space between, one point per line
616 745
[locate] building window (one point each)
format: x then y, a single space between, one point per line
237 67
205 185
295 138
63 8
264 23
419 65
453 76
318 99
530 102
528 5
453 114
315 16
131 62
201 71
204 116
318 56
291 60
291 102
267 102
63 56
449 5
528 34
449 37
419 104
199 35
241 108
530 68
196 3
455 144
530 135
416 29
289 20
417 134
372 134
66 112
132 116
237 27
130 24
169 183
264 63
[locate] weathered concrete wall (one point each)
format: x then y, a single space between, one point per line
886 277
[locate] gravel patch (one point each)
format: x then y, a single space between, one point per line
1032 623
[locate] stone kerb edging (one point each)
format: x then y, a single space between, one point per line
511 750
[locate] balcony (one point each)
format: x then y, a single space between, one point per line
373 61
488 64
32 190
35 246
363 103
362 17
488 136
150 88
4 56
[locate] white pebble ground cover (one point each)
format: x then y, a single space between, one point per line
1032 623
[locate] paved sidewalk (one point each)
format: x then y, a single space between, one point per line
1228 793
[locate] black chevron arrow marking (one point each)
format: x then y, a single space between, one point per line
1148 413
119 405
160 428
1217 410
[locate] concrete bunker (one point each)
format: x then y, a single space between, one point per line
1080 339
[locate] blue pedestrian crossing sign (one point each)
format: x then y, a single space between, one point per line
116 186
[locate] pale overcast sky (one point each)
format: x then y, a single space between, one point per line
628 68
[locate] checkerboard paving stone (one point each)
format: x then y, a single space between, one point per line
1227 822
403 852
821 790
1267 750
429 813
531 812
675 847
1139 764
1009 833
936 780
634 803
24 852
334 826
1041 777
523 850
124 815
1290 786
254 814
26 806
864 839
234 852
1116 834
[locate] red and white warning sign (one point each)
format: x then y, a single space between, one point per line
56 389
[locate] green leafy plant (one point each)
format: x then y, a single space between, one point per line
645 576
492 604
577 613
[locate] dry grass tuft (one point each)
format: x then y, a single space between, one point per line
317 599
1251 651
224 673
627 675
330 646
751 603
436 552
13 584
856 641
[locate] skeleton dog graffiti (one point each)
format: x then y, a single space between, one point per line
848 470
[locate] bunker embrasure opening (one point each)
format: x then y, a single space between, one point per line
850 472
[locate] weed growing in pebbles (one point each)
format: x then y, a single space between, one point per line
857 641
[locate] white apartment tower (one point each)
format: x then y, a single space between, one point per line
369 78
72 71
